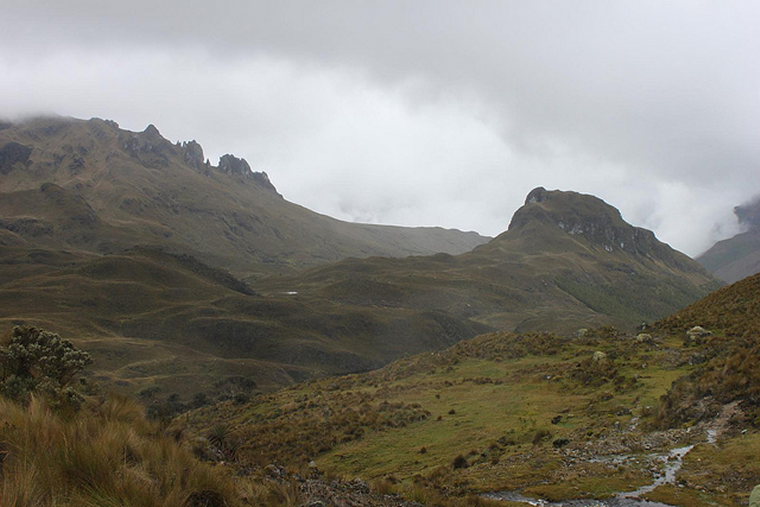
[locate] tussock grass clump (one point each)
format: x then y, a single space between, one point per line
108 454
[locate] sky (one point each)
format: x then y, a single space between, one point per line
424 112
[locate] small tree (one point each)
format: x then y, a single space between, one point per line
34 361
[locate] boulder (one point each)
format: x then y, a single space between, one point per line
754 497
696 336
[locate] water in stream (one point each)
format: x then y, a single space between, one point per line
672 464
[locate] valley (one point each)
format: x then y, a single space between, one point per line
320 361
560 418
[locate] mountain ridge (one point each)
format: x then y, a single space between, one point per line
151 191
737 257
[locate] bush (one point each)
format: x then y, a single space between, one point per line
460 462
34 361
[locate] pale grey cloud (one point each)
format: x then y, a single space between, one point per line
425 112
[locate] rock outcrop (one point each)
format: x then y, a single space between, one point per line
596 221
230 164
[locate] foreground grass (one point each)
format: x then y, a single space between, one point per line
106 455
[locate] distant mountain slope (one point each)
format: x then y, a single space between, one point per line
89 185
155 319
567 260
737 257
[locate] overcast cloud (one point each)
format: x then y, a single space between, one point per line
424 112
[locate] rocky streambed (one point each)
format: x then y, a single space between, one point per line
671 461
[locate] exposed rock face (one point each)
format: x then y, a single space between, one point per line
263 180
588 216
12 154
193 154
230 164
149 147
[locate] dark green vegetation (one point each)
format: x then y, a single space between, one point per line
738 257
553 416
37 362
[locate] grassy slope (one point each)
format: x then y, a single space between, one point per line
485 399
734 258
157 319
490 400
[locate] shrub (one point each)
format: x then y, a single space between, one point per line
460 462
39 362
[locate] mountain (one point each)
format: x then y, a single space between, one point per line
167 323
183 277
668 416
91 186
161 321
568 260
737 257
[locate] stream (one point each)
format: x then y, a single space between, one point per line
673 460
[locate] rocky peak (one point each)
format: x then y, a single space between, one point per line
148 146
192 154
152 131
538 194
587 217
230 164
263 180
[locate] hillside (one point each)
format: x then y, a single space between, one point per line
89 185
737 257
164 323
601 417
568 260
